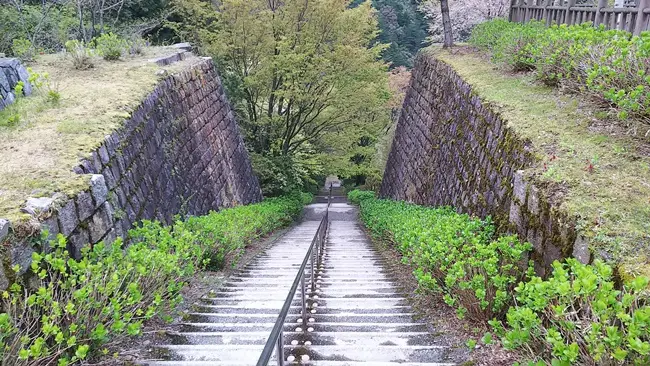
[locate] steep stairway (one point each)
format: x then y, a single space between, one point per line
357 313
360 316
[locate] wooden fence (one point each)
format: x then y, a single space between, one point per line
632 16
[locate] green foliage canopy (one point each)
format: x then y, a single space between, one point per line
305 78
299 69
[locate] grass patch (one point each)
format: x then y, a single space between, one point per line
604 170
39 150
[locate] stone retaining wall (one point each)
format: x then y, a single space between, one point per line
451 148
180 152
12 72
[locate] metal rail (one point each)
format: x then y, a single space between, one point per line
313 257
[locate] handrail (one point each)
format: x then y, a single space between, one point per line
276 338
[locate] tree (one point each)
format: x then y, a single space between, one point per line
446 24
300 68
463 14
300 72
403 27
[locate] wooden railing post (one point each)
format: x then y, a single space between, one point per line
568 19
640 25
523 12
512 10
602 4
547 12
518 14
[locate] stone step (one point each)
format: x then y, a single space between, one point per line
365 363
317 318
297 309
250 353
332 291
224 352
253 286
321 338
317 327
317 363
396 354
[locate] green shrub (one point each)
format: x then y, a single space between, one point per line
77 304
19 89
486 35
72 309
578 317
234 228
47 27
281 175
12 119
609 65
23 49
357 196
80 54
42 84
455 255
110 46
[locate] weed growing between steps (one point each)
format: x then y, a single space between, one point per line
70 310
575 317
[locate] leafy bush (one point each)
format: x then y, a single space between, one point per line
281 175
73 308
357 196
47 27
42 84
577 316
110 46
77 304
233 229
19 89
23 49
455 255
80 54
610 65
12 119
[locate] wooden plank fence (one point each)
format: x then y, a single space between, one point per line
632 15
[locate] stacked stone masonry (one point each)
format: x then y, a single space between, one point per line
451 148
181 152
11 73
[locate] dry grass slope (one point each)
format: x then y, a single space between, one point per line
37 155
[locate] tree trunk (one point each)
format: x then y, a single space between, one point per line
446 24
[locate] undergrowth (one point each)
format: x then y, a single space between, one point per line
609 65
578 316
71 310
455 255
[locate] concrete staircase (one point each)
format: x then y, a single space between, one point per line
357 314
